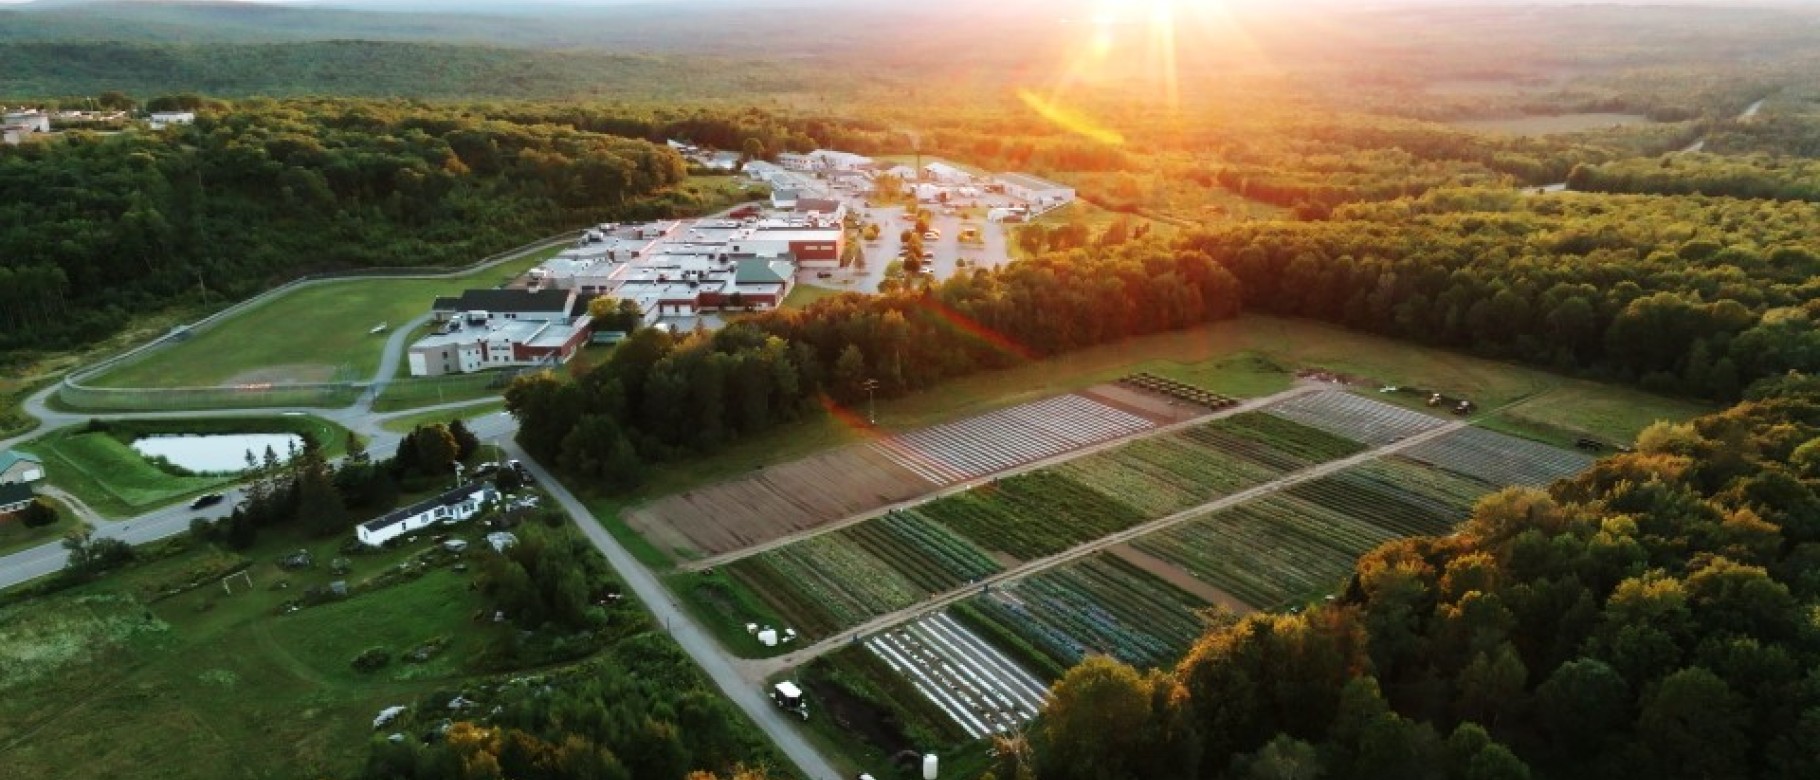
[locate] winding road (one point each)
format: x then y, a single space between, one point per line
730 676
1698 145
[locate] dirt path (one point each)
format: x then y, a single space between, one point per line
1174 575
962 487
774 665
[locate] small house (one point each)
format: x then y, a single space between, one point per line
454 506
16 466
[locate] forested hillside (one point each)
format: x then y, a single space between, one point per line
101 228
1653 617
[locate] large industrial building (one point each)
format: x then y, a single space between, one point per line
486 329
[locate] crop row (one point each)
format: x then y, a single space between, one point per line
1268 552
1355 417
930 555
1101 604
1308 445
1386 497
826 583
1032 515
1499 459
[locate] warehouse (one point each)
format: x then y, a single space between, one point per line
1035 191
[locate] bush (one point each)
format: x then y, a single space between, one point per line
372 659
38 515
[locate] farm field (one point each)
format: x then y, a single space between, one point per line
826 583
1356 417
981 688
831 582
1499 459
803 495
1101 604
263 345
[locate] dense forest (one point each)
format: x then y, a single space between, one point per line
104 226
1652 617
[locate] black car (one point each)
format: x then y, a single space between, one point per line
207 499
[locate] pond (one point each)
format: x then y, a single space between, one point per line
215 452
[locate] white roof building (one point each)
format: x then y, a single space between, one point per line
829 159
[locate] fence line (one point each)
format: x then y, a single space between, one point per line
334 394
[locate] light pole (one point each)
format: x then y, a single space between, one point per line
871 408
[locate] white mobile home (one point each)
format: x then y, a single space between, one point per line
451 507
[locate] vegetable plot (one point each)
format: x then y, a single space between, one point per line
1498 458
1355 417
1101 604
978 686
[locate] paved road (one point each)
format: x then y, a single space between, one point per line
696 641
764 668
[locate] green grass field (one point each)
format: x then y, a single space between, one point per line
222 686
110 477
315 334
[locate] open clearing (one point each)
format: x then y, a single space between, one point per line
204 684
1551 125
323 326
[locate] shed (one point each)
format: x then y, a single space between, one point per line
17 466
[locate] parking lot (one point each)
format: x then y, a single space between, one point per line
991 252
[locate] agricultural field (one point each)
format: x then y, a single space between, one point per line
995 441
1302 542
830 582
1102 604
775 502
838 580
806 494
980 687
1356 417
1499 459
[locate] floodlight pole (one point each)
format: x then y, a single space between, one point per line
871 408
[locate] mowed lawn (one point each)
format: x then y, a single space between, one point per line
104 683
319 333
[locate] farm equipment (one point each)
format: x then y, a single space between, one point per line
790 698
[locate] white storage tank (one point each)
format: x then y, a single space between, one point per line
768 637
929 766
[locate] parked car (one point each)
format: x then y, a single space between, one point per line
206 500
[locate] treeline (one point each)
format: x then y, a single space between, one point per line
659 397
1690 296
1703 174
1652 617
383 69
101 228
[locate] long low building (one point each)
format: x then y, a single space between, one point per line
454 506
1034 190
